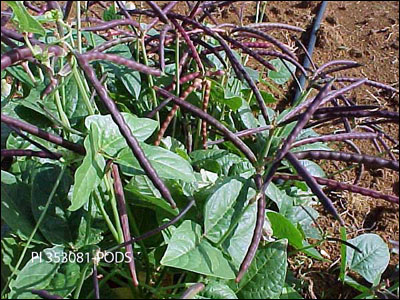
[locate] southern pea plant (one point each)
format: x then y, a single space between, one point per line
143 132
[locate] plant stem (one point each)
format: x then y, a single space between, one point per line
82 89
110 225
343 254
151 82
114 208
79 25
81 281
35 229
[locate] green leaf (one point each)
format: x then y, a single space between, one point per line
166 163
281 199
188 250
298 216
313 168
266 276
111 139
215 160
15 209
237 244
66 279
26 23
284 229
373 260
282 74
246 116
54 227
219 209
218 290
132 81
140 191
89 174
36 274
222 96
290 293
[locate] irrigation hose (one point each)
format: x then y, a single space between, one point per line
311 46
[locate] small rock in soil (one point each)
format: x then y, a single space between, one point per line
355 53
331 20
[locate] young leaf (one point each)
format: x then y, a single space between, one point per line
26 23
282 74
166 163
373 260
188 250
89 174
266 276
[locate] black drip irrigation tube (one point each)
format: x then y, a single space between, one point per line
311 46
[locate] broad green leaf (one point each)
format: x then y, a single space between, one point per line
66 279
188 250
16 210
289 292
267 97
218 290
11 250
246 116
215 160
54 227
140 191
20 74
282 74
284 229
90 173
26 23
132 82
36 274
222 96
219 209
373 260
266 276
111 139
238 242
166 163
313 168
281 199
297 215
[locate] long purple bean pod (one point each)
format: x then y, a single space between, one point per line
375 84
210 49
293 135
111 43
192 291
165 10
239 69
207 92
43 134
112 24
242 133
336 137
17 36
95 281
386 147
131 64
158 11
323 110
67 9
389 115
329 97
250 52
45 294
283 56
119 194
266 37
29 153
189 43
270 26
312 183
361 168
347 63
302 122
23 53
333 184
212 121
32 7
164 126
371 161
150 233
125 130
255 241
